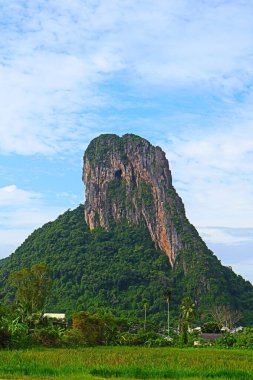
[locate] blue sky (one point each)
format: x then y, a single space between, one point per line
179 73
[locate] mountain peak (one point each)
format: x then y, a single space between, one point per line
127 178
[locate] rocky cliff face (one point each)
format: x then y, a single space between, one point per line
126 178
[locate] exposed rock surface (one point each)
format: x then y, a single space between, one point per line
128 178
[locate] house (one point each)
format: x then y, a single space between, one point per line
224 329
54 316
196 329
236 330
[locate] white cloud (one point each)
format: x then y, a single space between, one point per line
225 236
29 217
57 54
13 196
17 224
21 212
213 173
11 239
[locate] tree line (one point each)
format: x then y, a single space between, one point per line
22 322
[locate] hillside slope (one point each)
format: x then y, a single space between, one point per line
116 270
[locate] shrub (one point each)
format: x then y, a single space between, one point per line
49 336
93 330
210 327
244 339
73 338
228 340
5 338
143 337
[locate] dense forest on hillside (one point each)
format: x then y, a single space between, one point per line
117 270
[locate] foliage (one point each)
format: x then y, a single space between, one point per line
100 148
127 363
95 270
145 307
14 333
225 316
143 338
90 330
227 340
115 270
90 327
187 312
244 339
241 339
147 198
211 327
48 336
187 309
5 337
32 288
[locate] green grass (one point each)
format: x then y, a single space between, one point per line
127 363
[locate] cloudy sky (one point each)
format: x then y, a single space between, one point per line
179 73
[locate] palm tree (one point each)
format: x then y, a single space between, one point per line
145 305
187 309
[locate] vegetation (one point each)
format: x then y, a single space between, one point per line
115 270
187 310
32 288
103 329
117 289
100 148
127 363
94 270
106 330
224 316
23 325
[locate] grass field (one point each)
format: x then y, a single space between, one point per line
127 363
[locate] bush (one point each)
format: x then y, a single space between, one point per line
90 330
5 338
211 327
13 333
160 341
49 336
144 338
244 339
73 338
228 340
20 337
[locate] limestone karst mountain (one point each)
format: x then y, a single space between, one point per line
127 178
131 241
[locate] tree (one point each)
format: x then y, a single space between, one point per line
90 329
32 288
225 316
187 310
145 305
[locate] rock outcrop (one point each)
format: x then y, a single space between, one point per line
127 178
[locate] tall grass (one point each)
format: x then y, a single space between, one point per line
127 363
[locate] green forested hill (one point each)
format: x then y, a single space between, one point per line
97 269
116 270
